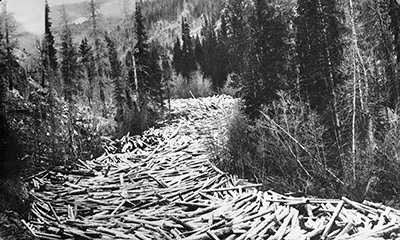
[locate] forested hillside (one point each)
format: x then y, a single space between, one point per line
318 82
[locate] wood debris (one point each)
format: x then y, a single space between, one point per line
161 185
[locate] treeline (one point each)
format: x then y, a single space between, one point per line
206 52
320 87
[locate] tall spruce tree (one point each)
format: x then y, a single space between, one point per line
115 73
155 74
50 49
141 53
213 58
99 53
266 58
177 56
68 65
393 70
237 33
88 66
141 70
320 55
188 60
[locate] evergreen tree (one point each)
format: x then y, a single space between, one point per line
141 58
266 59
177 56
156 91
319 50
320 56
237 34
393 72
99 53
198 51
214 59
141 53
115 73
188 61
10 67
88 66
51 50
68 65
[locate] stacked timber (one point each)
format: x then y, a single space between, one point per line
162 185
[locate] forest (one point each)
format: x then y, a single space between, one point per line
318 83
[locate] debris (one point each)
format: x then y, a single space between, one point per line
161 185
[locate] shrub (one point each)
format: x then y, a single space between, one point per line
283 149
229 88
385 181
196 86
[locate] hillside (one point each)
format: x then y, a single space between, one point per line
162 17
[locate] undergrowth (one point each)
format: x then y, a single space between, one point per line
196 86
285 150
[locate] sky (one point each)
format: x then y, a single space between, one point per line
30 13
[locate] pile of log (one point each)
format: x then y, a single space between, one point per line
169 189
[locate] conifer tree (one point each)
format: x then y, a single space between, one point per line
115 73
141 58
141 53
177 56
51 50
156 91
10 71
98 53
68 65
88 66
188 61
213 61
320 56
198 51
393 72
237 33
266 58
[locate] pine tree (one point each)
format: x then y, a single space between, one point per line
10 70
141 53
115 73
237 34
266 58
198 51
213 55
141 58
177 56
320 55
98 53
68 66
188 61
51 50
393 72
88 66
155 74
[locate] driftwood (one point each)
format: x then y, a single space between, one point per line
162 185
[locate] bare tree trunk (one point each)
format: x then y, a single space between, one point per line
363 94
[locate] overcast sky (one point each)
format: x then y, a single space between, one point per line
30 13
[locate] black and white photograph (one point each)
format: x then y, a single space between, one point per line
200 119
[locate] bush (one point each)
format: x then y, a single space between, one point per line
385 181
229 88
196 86
283 149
